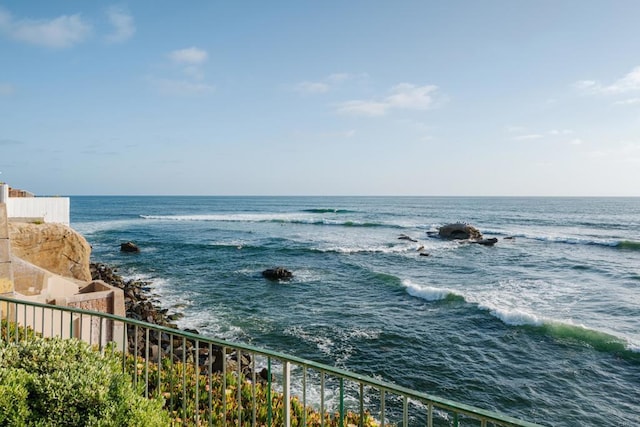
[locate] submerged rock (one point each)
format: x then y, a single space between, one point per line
129 247
278 273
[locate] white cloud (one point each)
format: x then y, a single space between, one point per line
403 96
576 141
61 32
123 25
630 101
180 87
190 62
629 83
191 56
6 89
363 108
560 132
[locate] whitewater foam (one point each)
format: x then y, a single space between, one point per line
428 293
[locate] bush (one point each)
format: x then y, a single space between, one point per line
181 383
57 382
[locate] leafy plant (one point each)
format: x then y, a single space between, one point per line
56 382
181 383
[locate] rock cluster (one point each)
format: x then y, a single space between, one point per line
139 307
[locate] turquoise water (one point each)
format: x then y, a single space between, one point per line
544 326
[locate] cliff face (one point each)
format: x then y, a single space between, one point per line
54 247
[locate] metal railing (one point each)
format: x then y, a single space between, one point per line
164 362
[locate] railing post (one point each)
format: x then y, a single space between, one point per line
286 385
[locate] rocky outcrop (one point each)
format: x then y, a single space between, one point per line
459 231
139 307
53 247
278 273
129 247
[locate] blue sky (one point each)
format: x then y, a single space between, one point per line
321 98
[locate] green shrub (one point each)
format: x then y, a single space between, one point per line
57 382
180 383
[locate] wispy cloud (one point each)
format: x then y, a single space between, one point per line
363 108
6 89
123 25
190 62
629 83
189 56
402 96
556 132
630 101
523 134
61 32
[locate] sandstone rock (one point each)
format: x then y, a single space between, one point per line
54 247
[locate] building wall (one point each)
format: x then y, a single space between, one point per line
46 209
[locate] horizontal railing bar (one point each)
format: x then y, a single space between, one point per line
441 403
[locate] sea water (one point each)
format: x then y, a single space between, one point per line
543 326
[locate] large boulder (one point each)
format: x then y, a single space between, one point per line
54 247
459 231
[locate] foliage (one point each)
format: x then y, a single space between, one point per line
56 382
180 383
9 331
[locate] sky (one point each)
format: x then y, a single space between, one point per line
433 98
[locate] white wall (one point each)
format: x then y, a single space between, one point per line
51 209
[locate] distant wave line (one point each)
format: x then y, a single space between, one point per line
611 243
328 210
267 219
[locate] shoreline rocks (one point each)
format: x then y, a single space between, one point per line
139 307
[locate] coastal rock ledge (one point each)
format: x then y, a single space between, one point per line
54 247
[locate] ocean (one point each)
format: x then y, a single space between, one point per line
543 326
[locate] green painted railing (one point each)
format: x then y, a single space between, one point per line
324 388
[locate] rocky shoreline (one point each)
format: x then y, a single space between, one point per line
138 306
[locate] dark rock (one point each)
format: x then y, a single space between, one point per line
129 247
405 237
459 231
278 273
486 242
424 254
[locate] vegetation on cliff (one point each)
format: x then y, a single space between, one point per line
57 382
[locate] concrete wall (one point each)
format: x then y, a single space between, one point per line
97 296
47 209
6 270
